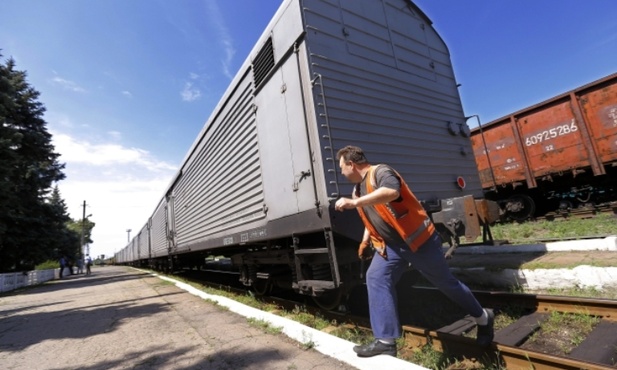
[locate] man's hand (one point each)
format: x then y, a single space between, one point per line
344 203
365 252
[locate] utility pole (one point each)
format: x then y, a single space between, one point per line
83 226
83 232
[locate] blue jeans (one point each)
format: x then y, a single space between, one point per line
382 276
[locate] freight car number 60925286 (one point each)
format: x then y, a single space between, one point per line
552 133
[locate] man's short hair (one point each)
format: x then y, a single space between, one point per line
352 153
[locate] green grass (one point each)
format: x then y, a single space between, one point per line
520 233
47 265
430 358
265 326
301 315
605 293
562 332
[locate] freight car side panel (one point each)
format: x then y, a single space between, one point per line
133 250
220 187
498 157
600 110
144 242
386 84
158 231
552 140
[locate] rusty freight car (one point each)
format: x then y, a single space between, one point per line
555 156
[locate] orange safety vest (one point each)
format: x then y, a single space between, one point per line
407 217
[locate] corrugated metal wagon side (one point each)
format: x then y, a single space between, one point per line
159 240
258 184
143 244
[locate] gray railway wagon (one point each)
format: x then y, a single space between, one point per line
259 183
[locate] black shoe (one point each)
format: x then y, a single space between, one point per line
375 348
486 332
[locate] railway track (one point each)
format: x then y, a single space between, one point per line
520 343
584 212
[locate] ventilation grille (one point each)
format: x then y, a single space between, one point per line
263 63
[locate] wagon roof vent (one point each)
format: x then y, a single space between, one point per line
263 62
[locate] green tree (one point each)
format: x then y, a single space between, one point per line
62 239
28 169
77 226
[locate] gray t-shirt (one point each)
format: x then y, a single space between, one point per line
384 177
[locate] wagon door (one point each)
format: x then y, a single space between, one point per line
283 142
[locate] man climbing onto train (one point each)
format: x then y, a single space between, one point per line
398 228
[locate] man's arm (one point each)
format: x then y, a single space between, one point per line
379 196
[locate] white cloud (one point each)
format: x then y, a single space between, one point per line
115 135
115 204
121 187
68 85
127 94
190 92
107 154
61 120
215 18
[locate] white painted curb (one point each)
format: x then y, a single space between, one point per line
608 243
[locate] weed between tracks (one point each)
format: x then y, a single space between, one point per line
561 333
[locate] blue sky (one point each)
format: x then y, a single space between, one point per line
129 84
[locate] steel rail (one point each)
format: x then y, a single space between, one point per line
599 353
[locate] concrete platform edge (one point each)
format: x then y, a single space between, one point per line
608 243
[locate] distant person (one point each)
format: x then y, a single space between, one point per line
64 263
80 266
400 230
88 264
